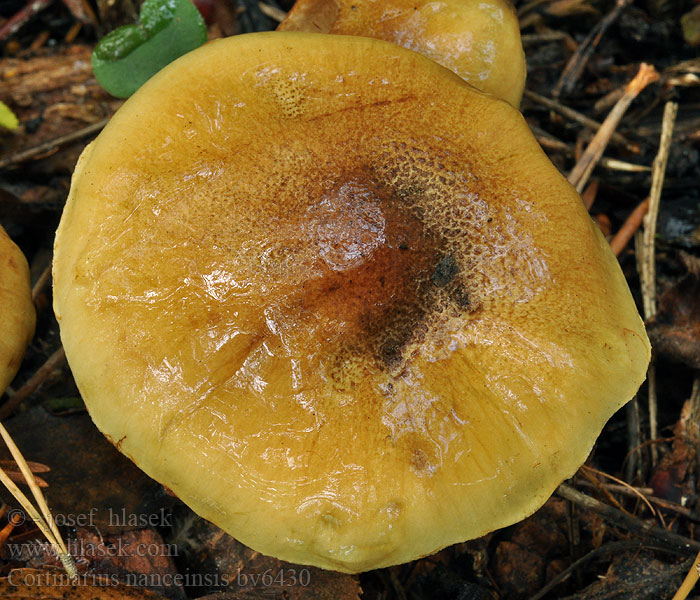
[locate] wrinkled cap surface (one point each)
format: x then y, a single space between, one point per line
477 39
346 319
17 314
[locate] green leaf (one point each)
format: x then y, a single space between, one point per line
69 405
127 57
8 120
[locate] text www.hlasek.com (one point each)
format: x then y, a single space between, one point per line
80 549
85 552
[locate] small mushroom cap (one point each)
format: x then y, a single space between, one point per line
17 315
477 39
346 319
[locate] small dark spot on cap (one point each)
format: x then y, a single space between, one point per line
391 353
460 297
445 271
419 460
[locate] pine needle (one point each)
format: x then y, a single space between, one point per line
43 521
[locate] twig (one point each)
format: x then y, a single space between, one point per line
692 427
584 167
629 228
632 524
610 549
523 10
22 17
577 63
653 411
690 580
574 532
253 13
692 577
628 490
599 486
624 484
40 284
52 144
578 117
396 585
276 14
646 263
42 374
634 441
536 38
621 165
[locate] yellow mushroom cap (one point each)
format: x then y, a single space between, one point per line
17 314
477 39
347 320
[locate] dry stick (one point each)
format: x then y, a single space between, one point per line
624 484
634 440
536 38
523 10
396 585
648 266
693 425
646 263
578 61
578 117
608 550
42 374
22 17
690 580
627 490
273 12
691 577
584 167
629 228
40 284
653 411
52 144
621 165
549 142
630 523
600 488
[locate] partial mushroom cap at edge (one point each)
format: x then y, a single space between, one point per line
478 40
17 315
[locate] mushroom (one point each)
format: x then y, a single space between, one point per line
17 316
349 321
478 40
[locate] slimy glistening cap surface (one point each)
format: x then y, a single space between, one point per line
339 301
